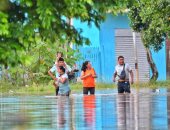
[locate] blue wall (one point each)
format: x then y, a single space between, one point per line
107 40
160 61
91 32
104 39
92 52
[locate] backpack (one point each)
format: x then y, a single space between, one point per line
122 75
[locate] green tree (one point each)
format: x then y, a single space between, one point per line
152 19
23 20
30 28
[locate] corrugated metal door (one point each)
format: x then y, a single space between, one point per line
125 47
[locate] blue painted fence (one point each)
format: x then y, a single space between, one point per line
93 55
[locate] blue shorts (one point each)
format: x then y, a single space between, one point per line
123 87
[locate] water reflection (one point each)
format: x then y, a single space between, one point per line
63 113
123 111
160 109
89 111
137 111
62 107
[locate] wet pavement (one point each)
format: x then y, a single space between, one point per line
145 109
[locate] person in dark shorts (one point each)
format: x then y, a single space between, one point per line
121 73
88 76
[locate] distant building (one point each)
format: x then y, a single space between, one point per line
114 38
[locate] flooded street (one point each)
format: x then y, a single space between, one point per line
142 110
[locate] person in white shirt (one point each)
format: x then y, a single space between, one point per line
121 73
54 69
63 82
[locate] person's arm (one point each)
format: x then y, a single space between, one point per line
131 76
114 76
50 72
67 67
84 76
51 75
94 75
62 80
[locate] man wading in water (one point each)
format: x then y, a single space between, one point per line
122 71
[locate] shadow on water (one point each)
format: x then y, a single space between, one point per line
143 110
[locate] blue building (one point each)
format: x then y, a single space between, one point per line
115 38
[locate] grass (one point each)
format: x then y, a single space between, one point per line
157 84
48 89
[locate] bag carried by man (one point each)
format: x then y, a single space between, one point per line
122 75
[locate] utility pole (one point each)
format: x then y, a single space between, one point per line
136 100
136 58
70 23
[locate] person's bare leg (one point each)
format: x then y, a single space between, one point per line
56 88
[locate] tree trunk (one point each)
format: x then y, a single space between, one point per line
152 65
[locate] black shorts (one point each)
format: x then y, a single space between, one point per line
56 91
123 87
88 89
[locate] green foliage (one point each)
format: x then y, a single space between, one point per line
48 88
4 24
22 21
37 61
153 84
4 5
45 88
32 31
152 19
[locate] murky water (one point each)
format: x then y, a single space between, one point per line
143 110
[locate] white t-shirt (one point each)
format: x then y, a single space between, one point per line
54 69
119 68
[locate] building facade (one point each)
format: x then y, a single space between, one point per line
115 38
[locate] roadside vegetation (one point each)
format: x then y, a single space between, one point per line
48 89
